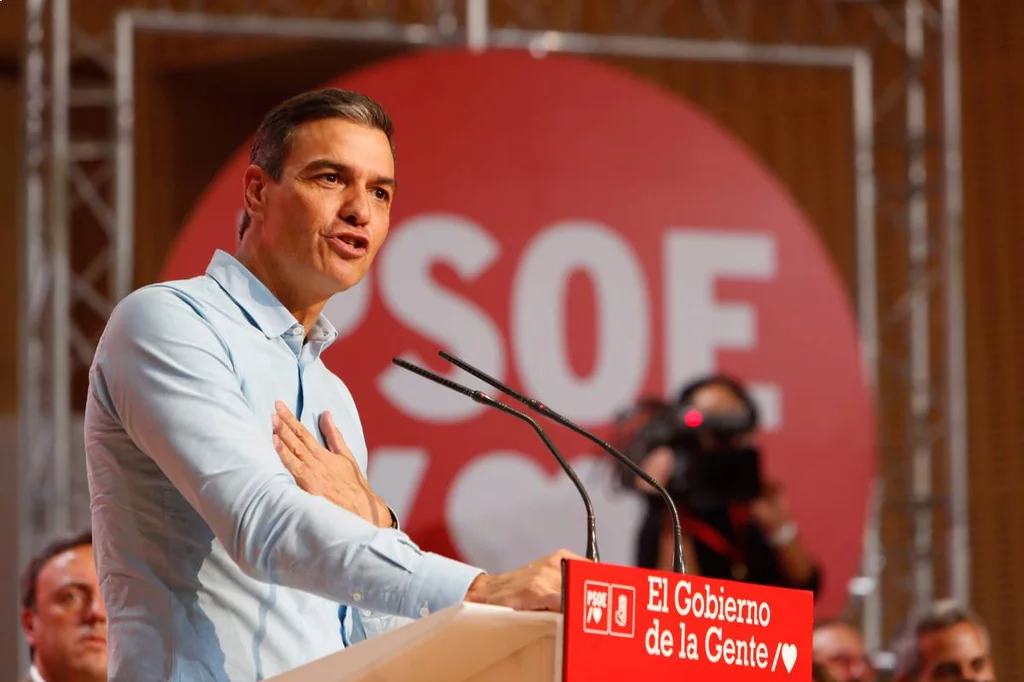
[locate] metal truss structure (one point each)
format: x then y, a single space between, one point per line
74 183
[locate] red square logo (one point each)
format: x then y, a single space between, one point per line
622 608
596 615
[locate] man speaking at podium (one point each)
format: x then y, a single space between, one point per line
214 564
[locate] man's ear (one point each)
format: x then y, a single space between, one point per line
28 625
254 187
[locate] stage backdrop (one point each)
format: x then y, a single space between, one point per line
588 238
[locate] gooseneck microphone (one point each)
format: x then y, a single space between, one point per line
592 553
678 563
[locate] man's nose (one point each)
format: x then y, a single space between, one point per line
859 672
356 209
95 609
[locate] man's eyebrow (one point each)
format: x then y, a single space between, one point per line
74 584
326 164
342 169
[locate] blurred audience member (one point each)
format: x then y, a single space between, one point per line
840 648
63 615
819 673
737 526
945 643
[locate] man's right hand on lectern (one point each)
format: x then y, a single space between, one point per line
536 586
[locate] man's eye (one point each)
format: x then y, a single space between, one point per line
330 177
382 194
66 598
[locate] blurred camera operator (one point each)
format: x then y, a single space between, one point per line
735 526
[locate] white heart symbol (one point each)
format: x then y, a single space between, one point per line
789 656
596 614
505 510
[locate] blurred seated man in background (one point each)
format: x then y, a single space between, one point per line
945 643
736 526
819 673
63 615
840 648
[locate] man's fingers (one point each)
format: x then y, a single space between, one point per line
544 595
544 592
288 419
554 560
543 589
565 554
551 601
335 441
290 439
535 587
288 458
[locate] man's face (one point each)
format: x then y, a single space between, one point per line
840 649
68 626
956 653
324 222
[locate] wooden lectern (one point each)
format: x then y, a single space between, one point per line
464 643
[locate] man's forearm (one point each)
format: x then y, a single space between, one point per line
355 563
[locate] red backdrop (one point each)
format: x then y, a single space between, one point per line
587 237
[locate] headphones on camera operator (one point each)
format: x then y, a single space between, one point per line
716 463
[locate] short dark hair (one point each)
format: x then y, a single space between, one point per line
823 624
938 616
30 575
272 142
826 623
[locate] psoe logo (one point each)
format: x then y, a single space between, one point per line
608 609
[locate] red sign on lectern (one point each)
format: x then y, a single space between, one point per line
632 624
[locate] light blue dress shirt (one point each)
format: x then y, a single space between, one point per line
214 565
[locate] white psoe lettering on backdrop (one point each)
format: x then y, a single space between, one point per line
696 324
456 323
539 334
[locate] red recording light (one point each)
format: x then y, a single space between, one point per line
693 418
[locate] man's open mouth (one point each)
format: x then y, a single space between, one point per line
351 244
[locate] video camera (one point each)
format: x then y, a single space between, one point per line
714 467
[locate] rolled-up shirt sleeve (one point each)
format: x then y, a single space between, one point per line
166 376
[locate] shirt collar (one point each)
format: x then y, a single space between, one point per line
33 674
259 303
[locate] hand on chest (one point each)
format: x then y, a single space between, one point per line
307 392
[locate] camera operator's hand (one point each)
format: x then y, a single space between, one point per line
771 511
